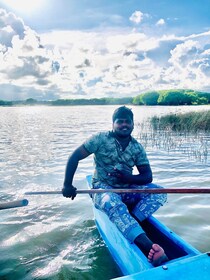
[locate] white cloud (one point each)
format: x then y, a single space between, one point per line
10 25
160 22
70 64
189 66
137 17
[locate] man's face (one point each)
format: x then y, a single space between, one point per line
123 127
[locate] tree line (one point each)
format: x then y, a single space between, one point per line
162 97
172 97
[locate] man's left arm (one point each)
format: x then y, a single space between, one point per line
144 176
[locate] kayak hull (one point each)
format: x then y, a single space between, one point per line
191 268
133 263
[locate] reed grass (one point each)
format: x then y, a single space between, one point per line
188 134
192 121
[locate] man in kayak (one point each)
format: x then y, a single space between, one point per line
115 154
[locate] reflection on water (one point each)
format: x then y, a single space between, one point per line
56 238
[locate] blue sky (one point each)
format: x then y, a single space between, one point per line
83 49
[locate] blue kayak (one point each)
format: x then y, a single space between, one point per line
185 261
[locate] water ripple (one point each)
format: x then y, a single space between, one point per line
56 238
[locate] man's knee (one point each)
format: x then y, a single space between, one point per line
104 201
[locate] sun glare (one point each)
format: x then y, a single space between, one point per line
24 6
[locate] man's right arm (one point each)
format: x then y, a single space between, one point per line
72 163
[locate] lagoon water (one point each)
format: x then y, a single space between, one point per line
56 238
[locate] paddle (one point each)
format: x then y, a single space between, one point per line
152 190
13 204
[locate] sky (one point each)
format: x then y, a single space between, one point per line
70 49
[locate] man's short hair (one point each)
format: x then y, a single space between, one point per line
121 113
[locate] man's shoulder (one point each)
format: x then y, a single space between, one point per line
98 140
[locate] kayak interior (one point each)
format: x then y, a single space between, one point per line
173 245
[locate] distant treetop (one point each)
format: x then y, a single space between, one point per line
161 97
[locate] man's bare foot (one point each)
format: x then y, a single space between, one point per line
157 255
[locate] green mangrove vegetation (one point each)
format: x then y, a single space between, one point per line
151 98
93 101
6 103
172 97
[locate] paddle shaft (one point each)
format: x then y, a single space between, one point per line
159 190
13 204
